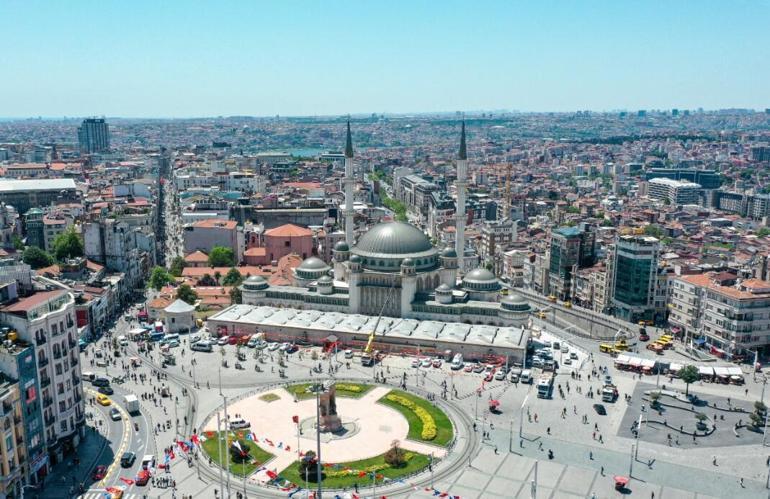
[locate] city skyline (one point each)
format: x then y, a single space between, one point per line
297 59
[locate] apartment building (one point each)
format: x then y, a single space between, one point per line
47 320
676 192
12 446
634 277
729 315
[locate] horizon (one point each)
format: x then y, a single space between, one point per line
302 59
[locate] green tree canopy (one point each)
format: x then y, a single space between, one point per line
763 231
159 278
177 266
232 278
207 280
187 294
689 374
654 231
36 258
67 245
236 297
221 256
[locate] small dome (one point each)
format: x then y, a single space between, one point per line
355 259
449 252
341 246
325 280
481 279
313 263
443 288
255 283
407 262
479 275
515 302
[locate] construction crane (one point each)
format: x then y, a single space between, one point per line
367 359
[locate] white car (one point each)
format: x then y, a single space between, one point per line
573 355
223 340
415 362
252 342
348 354
567 361
239 423
425 362
500 374
285 346
565 348
273 346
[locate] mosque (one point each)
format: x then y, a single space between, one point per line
395 271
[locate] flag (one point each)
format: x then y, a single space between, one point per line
295 419
250 436
280 445
287 448
127 481
361 474
271 475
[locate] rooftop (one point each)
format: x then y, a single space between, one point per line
289 230
32 302
44 184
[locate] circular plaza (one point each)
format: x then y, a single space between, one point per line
368 433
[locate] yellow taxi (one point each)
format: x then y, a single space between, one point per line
103 399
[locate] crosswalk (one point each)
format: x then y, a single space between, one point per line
103 494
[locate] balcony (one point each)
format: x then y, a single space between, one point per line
47 401
43 362
49 420
41 341
44 382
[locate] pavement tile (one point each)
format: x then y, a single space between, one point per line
503 486
577 480
474 478
516 467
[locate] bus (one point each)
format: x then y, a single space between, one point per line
157 335
545 386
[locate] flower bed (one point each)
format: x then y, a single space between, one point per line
428 423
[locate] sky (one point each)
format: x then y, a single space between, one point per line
263 58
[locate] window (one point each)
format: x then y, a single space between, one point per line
63 425
58 369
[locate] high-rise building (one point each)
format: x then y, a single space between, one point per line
572 248
94 136
634 277
677 192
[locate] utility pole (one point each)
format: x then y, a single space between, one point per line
219 447
319 387
533 488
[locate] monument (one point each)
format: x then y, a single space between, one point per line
330 420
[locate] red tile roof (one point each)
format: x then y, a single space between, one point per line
196 256
289 230
215 223
30 302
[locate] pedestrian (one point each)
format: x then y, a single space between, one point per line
742 486
591 455
602 471
714 460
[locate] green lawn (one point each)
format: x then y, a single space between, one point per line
211 447
300 390
269 397
443 424
416 463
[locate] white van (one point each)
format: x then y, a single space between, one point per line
457 362
123 341
169 338
88 375
526 377
239 424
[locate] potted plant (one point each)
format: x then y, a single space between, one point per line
701 424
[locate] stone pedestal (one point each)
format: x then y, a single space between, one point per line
330 421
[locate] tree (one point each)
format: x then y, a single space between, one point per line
232 278
762 232
207 280
159 278
654 399
36 258
308 467
221 256
395 456
18 244
689 374
236 297
177 266
187 294
654 231
217 276
67 245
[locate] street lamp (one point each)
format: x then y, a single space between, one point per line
521 420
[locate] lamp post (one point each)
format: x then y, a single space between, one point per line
521 421
533 487
227 421
319 386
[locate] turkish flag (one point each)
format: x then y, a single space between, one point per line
127 481
295 419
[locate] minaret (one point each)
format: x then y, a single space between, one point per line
460 185
349 181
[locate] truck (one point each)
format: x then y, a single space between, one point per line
545 386
132 404
609 393
526 377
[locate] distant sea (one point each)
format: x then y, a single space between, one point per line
309 152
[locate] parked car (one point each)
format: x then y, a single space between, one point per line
565 348
500 374
573 355
567 361
415 362
202 346
425 362
468 367
349 355
127 459
223 340
479 368
489 376
252 343
437 363
100 382
600 410
99 473
273 346
232 340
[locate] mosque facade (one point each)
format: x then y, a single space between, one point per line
395 271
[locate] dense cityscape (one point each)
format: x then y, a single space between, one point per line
461 259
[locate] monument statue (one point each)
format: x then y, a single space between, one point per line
330 421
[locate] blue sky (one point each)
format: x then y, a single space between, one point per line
176 59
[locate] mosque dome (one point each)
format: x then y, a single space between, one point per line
341 246
449 252
407 262
516 303
481 279
313 264
255 283
385 245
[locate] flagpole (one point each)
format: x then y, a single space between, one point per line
219 446
227 422
319 474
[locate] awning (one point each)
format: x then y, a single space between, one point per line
622 359
674 367
699 341
705 370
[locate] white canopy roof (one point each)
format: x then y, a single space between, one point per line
179 307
